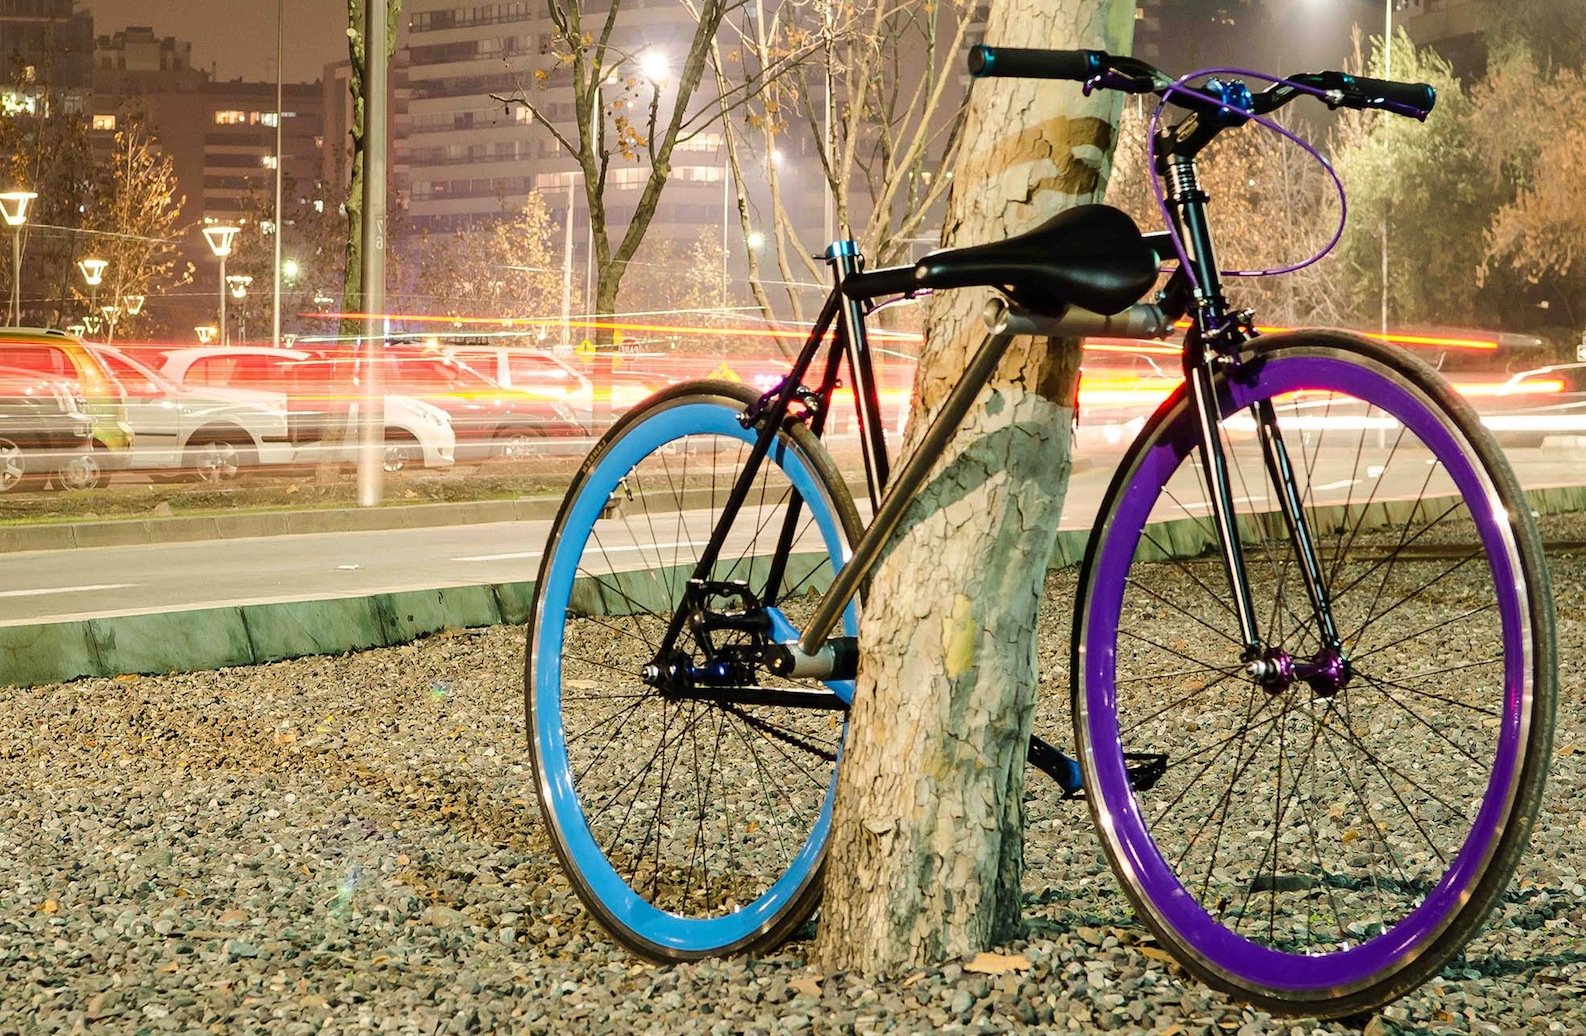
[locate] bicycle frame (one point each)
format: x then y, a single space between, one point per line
1212 344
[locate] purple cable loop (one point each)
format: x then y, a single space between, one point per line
1181 85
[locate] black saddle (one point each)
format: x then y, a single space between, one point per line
1091 256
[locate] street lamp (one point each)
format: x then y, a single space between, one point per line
220 237
112 314
206 333
93 271
133 304
14 207
238 282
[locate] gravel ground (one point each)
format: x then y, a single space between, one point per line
352 844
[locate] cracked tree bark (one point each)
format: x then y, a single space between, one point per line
926 853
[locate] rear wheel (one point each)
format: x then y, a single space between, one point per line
218 458
516 444
690 813
1326 834
80 473
13 466
402 452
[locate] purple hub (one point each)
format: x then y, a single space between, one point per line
1327 672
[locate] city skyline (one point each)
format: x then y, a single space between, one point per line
238 40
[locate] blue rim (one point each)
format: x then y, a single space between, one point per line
1240 959
624 905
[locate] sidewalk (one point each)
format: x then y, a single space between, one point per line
119 532
214 638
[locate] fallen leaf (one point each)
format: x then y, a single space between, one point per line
50 906
286 737
1349 836
1565 751
1157 954
997 963
233 917
809 985
402 859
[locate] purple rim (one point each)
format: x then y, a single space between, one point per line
1172 904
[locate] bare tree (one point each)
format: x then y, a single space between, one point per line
135 219
352 286
926 850
508 267
630 104
872 91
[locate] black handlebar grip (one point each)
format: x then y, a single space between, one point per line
1026 63
1406 98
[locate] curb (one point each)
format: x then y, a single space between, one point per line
135 531
215 638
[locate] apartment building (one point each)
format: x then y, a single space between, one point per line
46 56
461 155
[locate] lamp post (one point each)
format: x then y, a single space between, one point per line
220 237
238 283
93 271
206 333
1387 73
14 207
112 314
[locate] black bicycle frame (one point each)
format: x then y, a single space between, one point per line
842 320
1213 344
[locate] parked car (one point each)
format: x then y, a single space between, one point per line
62 357
318 411
46 434
488 419
192 431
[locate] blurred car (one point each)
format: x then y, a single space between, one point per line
193 431
548 377
46 434
320 408
1533 405
488 419
59 356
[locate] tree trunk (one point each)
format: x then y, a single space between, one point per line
926 852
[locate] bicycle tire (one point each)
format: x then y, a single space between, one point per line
705 832
1364 834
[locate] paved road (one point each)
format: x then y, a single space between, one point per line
43 586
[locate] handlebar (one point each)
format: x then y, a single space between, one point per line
1099 70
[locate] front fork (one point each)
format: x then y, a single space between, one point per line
1271 666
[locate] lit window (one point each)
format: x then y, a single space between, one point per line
104 122
522 115
18 104
268 118
230 117
268 161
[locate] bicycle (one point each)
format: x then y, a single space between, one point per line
1313 583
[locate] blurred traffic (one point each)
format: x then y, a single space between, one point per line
77 414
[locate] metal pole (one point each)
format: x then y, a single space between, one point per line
371 451
1387 73
225 335
724 233
826 134
275 295
567 269
15 313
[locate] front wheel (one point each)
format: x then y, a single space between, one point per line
1325 838
690 812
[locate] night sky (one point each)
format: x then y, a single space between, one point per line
237 37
